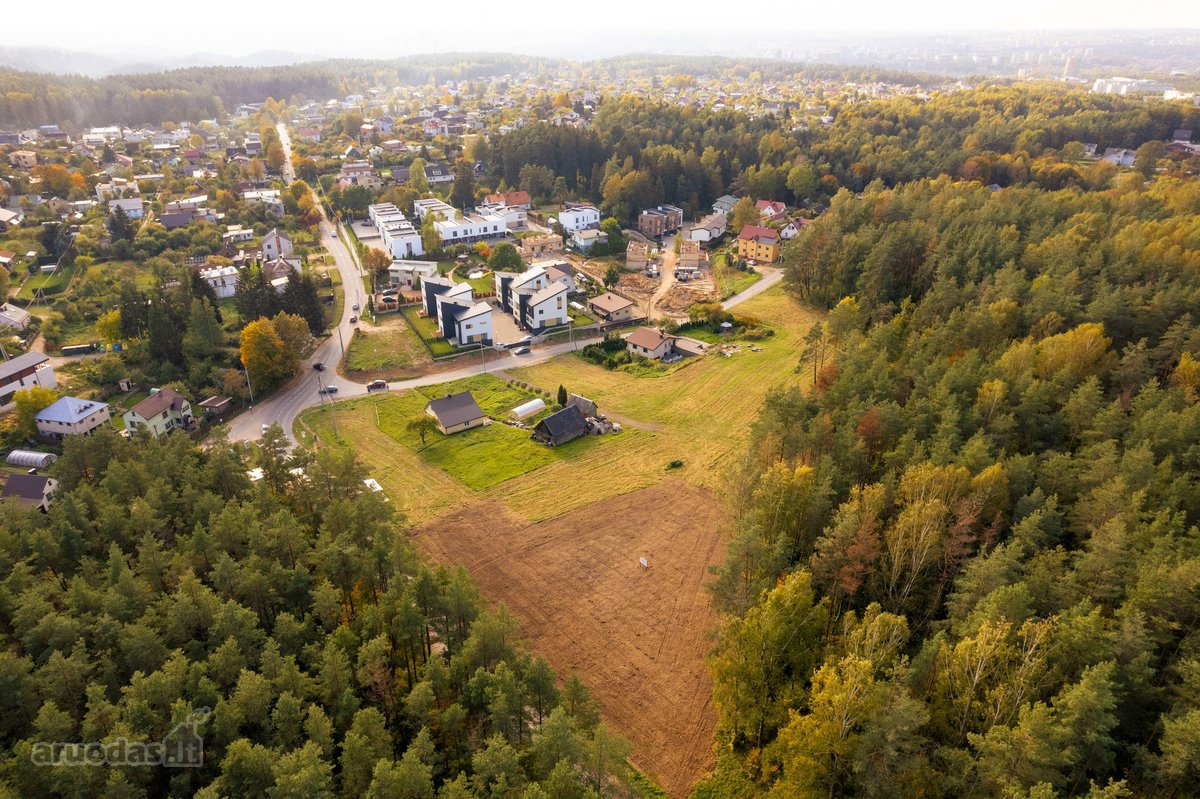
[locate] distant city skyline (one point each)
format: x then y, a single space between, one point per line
314 30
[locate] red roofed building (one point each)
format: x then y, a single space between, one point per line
513 199
757 243
771 211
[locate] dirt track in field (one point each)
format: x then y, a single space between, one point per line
636 636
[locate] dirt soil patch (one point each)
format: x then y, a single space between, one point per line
637 636
684 295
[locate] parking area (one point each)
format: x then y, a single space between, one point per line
504 327
367 233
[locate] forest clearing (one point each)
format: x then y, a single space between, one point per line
561 541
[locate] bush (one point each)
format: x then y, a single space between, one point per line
612 343
676 464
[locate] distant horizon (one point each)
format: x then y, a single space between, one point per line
96 58
308 31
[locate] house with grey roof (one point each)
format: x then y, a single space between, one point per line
23 371
72 416
456 412
30 490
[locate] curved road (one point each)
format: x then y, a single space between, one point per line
284 405
288 402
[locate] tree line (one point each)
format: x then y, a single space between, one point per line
334 660
966 561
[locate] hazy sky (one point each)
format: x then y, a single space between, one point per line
558 28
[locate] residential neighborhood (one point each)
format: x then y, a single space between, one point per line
384 423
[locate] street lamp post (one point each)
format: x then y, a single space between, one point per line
249 386
332 410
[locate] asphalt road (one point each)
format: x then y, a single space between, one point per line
771 277
285 404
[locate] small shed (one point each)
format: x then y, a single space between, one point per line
559 428
30 459
585 405
527 409
217 406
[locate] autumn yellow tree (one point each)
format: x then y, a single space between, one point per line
376 262
29 402
108 327
268 360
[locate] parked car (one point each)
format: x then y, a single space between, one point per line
521 351
265 428
353 320
377 385
389 292
320 367
327 390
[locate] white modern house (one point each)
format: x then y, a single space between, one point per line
132 206
237 233
457 228
535 301
23 371
515 218
578 217
710 228
408 274
223 279
72 416
461 318
400 238
465 321
584 240
276 245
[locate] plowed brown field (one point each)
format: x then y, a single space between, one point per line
636 636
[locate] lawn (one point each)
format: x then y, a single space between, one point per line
50 284
427 329
700 412
729 280
123 403
477 459
479 285
392 345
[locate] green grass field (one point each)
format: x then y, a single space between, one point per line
427 329
478 458
729 280
50 285
698 411
391 346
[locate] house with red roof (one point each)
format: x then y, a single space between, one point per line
757 243
771 210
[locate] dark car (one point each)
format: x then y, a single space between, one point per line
354 307
377 385
353 320
320 367
327 390
521 351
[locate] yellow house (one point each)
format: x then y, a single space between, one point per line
757 243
